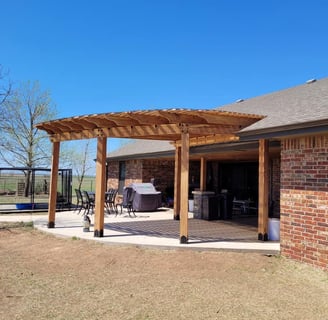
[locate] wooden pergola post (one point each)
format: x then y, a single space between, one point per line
184 187
53 185
177 183
100 186
202 174
263 190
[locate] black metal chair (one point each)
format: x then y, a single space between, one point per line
127 203
79 200
89 201
110 200
62 202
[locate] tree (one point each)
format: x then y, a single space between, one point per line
82 161
21 143
5 85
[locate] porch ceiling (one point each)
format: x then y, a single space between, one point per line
203 126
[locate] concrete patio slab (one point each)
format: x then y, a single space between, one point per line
157 229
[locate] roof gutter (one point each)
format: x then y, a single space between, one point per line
298 129
154 155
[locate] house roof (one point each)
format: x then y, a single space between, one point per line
143 149
296 108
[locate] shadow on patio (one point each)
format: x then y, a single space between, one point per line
238 229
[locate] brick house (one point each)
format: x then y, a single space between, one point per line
141 161
296 129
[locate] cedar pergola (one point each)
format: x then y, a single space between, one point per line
184 127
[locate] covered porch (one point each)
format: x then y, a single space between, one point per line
185 128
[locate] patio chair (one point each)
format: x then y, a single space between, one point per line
89 202
59 201
110 200
128 197
62 202
79 201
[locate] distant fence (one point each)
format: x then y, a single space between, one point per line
31 186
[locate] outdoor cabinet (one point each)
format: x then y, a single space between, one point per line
205 205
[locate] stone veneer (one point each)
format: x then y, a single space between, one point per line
304 200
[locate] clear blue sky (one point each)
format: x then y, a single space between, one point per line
103 56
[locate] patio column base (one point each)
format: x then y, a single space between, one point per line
51 225
183 240
263 237
98 233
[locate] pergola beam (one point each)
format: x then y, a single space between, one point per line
53 185
263 206
202 174
171 132
184 187
210 139
177 183
100 187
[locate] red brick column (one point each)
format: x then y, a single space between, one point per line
304 200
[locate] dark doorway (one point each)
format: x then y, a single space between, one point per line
240 179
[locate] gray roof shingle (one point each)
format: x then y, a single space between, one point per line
297 105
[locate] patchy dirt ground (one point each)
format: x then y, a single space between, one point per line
43 277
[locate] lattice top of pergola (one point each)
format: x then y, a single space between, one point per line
203 126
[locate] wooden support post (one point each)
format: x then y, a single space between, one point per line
263 190
184 188
177 183
100 186
202 174
53 185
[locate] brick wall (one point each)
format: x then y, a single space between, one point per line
161 170
133 171
304 200
113 170
144 170
275 187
